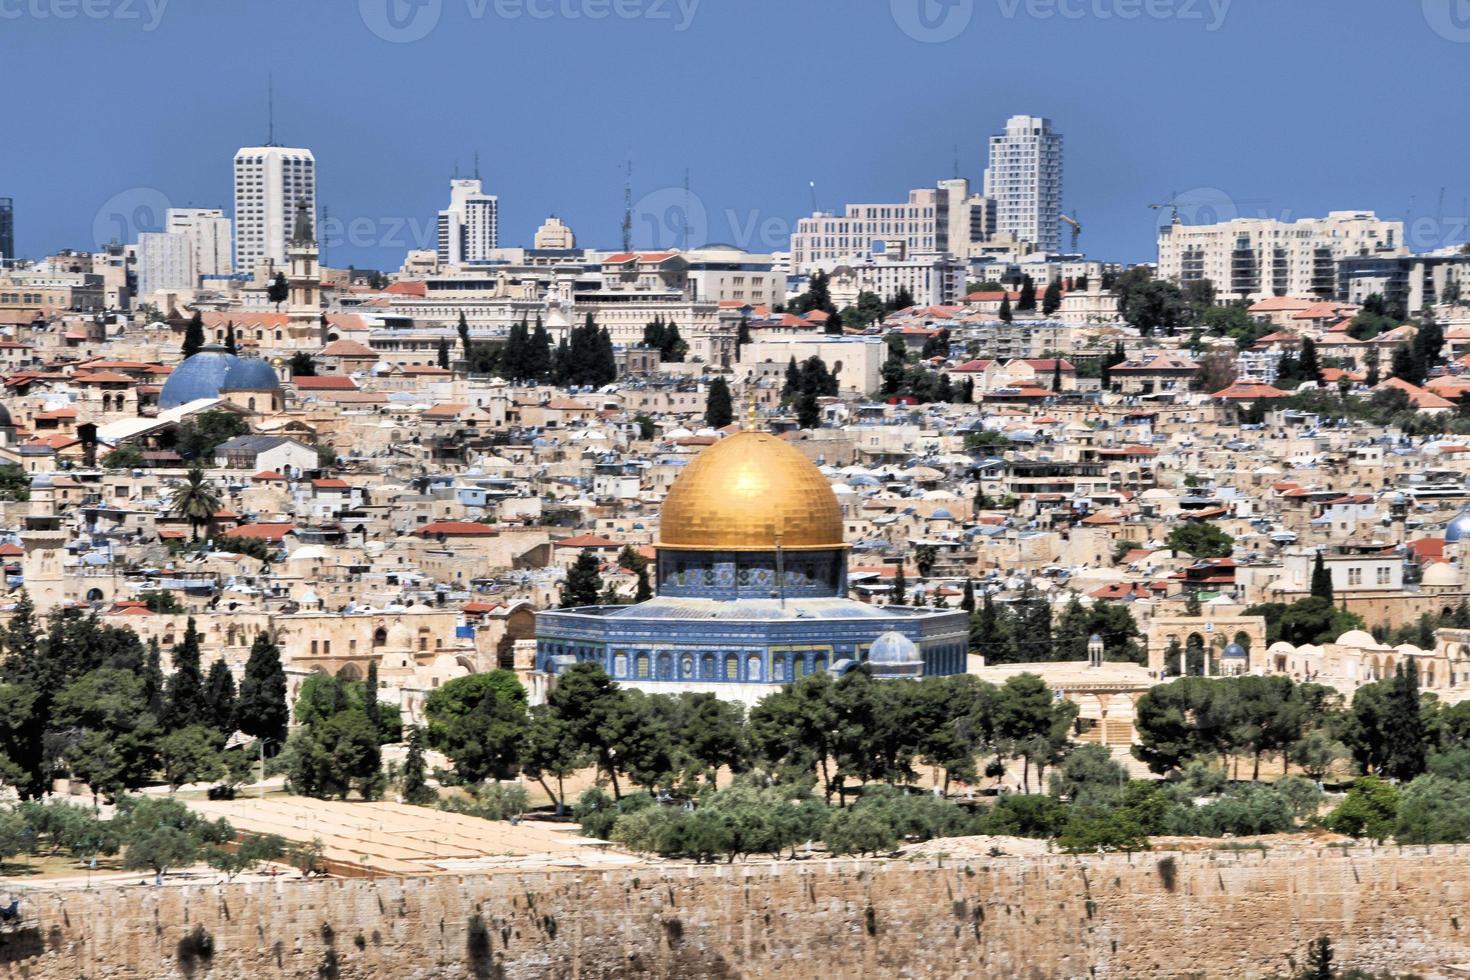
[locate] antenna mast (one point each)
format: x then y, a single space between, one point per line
270 109
628 208
684 237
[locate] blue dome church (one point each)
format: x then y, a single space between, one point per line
751 590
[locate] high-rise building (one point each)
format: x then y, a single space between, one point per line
7 228
470 227
209 233
1025 179
269 182
165 261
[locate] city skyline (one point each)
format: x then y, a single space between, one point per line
383 191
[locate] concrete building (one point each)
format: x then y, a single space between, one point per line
1025 179
165 262
470 227
1412 281
934 220
7 228
553 234
932 280
730 275
269 181
1255 258
209 235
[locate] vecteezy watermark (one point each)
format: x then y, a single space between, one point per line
148 13
1211 13
363 232
932 21
1450 19
405 21
672 217
129 213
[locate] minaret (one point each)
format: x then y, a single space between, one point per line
305 277
44 540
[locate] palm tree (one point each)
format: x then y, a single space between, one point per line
195 501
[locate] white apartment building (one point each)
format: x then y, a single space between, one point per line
269 180
1025 180
165 262
932 280
470 227
729 275
934 220
1257 258
209 233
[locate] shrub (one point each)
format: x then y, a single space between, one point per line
1369 810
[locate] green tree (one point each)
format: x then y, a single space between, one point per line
186 700
279 290
103 731
193 335
219 697
583 586
463 329
1052 301
261 707
1005 313
125 457
1027 301
1321 579
551 751
480 722
190 755
162 834
195 501
442 355
415 786
1200 539
1370 809
719 410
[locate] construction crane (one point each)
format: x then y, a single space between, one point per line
1076 225
1172 204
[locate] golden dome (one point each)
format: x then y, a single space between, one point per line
744 493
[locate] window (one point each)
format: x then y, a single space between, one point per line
730 669
380 637
641 667
1383 576
1355 576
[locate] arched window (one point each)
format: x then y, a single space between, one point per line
753 668
731 668
380 637
641 667
423 640
252 403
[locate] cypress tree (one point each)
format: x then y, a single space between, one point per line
538 352
261 706
900 587
370 695
1027 300
967 603
1052 300
416 789
443 357
153 679
219 694
194 335
230 344
584 583
1005 308
187 703
1321 579
719 409
1403 725
464 334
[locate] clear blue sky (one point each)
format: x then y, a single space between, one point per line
1287 107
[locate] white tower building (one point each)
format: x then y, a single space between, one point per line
1025 179
269 181
209 234
470 227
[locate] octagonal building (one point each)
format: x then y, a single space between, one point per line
751 583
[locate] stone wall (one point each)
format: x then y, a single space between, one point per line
1206 914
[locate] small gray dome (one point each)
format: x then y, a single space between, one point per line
251 374
895 655
1458 528
198 377
1235 652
